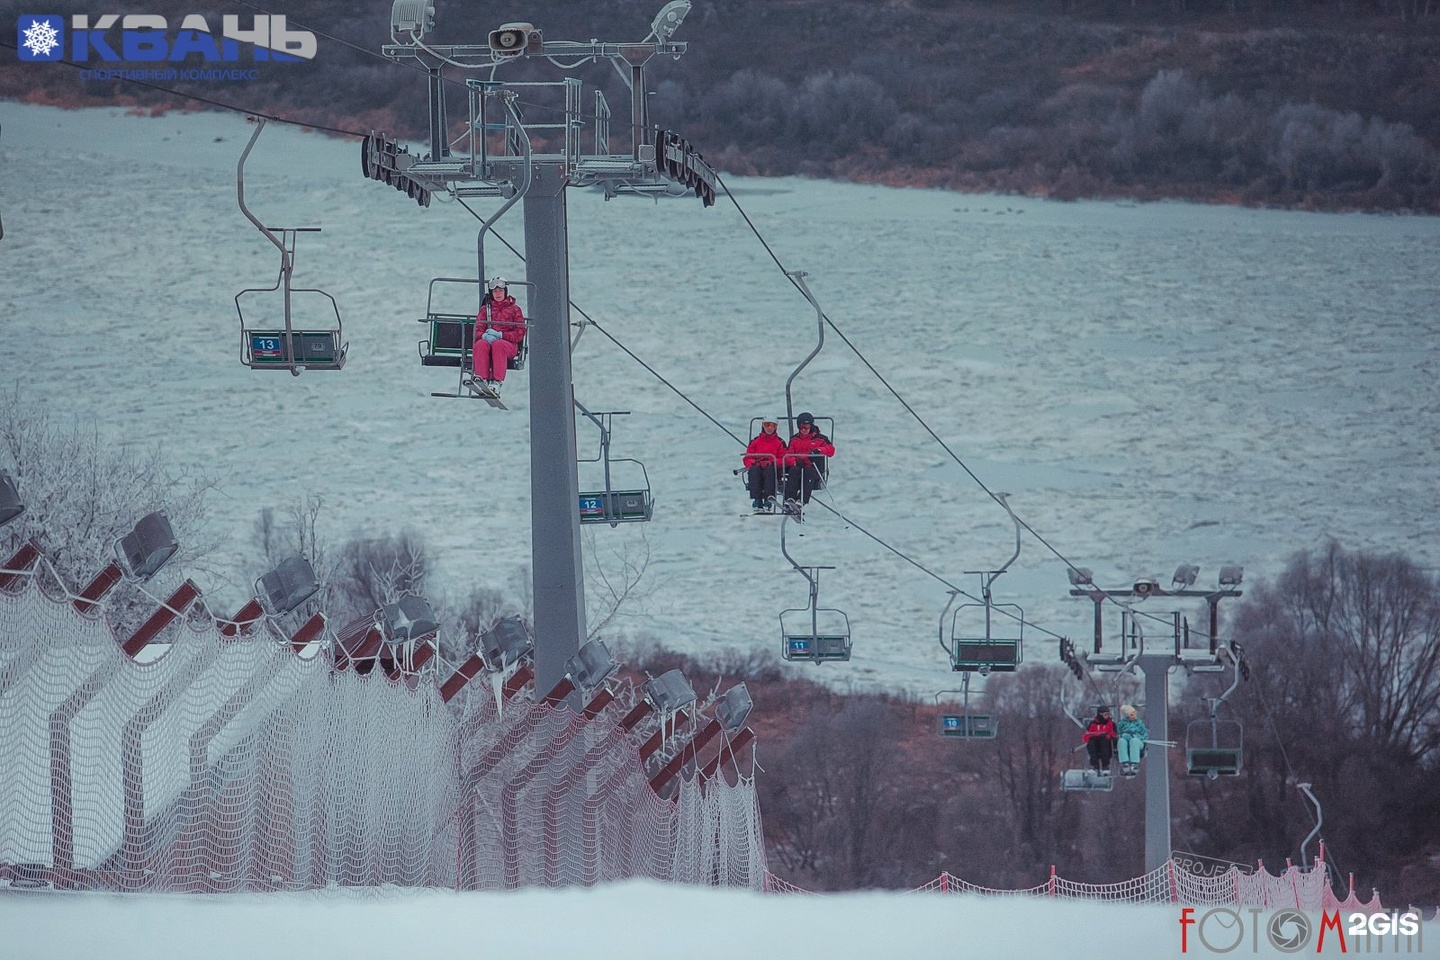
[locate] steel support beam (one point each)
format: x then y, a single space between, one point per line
556 567
1156 668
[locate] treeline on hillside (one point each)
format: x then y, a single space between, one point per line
1303 102
1344 693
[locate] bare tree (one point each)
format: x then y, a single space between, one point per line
615 577
82 491
371 572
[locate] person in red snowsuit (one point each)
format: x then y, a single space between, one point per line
1099 740
499 331
802 473
762 466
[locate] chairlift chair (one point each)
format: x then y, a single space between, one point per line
451 330
614 504
1214 748
814 634
965 725
281 342
1085 780
451 342
985 652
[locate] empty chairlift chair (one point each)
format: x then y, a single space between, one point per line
285 327
1214 748
986 636
964 725
614 502
814 634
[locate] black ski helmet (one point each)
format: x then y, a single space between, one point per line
805 418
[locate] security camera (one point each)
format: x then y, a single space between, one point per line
513 39
1146 586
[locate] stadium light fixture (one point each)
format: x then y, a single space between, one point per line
10 504
1185 575
668 20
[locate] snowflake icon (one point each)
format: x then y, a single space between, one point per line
40 37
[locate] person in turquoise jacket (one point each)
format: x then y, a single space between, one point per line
1133 734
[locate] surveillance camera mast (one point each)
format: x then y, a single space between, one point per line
496 157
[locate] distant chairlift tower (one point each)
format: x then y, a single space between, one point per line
492 159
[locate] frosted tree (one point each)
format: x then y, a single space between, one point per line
82 491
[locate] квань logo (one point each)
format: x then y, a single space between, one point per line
40 37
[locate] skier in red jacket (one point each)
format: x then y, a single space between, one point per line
1099 740
802 474
499 331
762 467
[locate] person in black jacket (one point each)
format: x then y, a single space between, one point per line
1100 741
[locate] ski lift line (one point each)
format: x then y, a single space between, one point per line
930 573
628 352
879 376
244 111
682 395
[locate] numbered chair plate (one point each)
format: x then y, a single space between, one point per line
968 726
817 649
616 506
311 349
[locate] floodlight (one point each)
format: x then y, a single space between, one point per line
669 692
1231 574
505 643
1146 586
1185 575
668 20
416 17
1080 576
287 586
734 708
10 505
590 666
149 546
410 618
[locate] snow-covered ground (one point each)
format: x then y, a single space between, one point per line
1151 383
624 921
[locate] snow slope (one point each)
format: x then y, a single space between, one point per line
1151 383
622 921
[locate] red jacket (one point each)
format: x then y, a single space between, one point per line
765 450
504 316
1098 729
802 446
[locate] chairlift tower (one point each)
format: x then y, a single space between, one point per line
534 155
1156 664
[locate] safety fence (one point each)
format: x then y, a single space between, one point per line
224 759
1305 889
